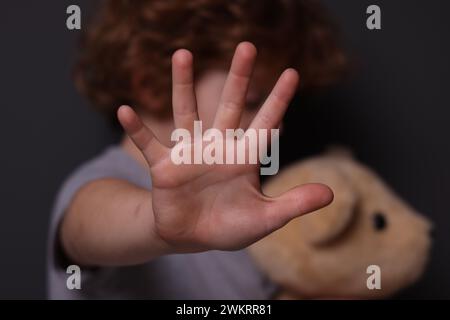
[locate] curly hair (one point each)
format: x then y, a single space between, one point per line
139 36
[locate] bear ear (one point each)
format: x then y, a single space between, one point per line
327 224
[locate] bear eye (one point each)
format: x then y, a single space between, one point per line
379 221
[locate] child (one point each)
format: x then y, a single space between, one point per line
140 226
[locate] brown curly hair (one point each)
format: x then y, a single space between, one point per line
130 36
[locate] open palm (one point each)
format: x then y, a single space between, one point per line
219 206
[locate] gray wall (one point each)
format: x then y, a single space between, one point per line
394 112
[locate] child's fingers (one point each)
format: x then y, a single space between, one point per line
183 96
234 93
142 136
296 202
275 106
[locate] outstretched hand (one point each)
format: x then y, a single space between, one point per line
202 207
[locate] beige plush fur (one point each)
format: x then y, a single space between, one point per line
326 254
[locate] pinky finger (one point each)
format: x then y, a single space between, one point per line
140 134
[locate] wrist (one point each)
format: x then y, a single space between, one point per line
156 245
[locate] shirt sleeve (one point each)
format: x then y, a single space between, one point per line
112 163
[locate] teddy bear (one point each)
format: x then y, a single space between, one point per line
332 252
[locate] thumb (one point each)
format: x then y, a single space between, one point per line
296 202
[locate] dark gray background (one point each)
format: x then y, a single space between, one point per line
394 112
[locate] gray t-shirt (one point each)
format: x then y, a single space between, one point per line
206 275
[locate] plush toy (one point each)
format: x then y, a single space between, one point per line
336 251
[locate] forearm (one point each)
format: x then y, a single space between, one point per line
111 223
